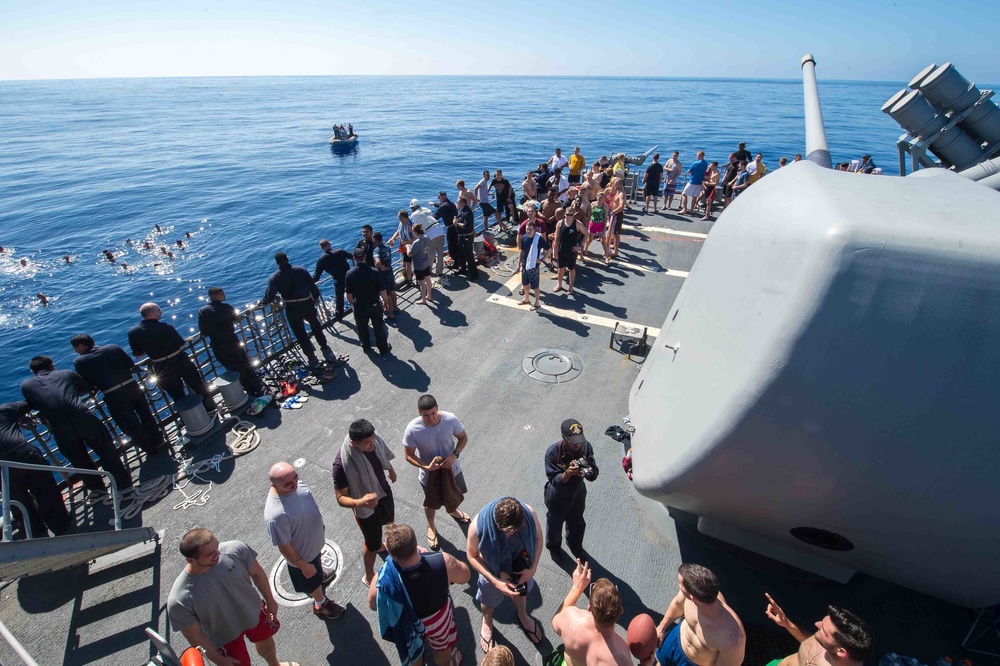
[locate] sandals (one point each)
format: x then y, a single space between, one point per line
463 518
486 642
432 541
535 307
534 635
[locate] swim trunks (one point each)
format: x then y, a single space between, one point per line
671 653
441 630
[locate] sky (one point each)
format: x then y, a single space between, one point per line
851 39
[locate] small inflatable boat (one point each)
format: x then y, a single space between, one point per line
344 143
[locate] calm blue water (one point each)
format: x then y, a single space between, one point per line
244 165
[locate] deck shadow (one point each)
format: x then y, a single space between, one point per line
113 604
402 374
353 634
345 385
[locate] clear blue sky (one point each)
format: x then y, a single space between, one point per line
851 39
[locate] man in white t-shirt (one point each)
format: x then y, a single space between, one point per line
432 230
558 161
482 194
433 442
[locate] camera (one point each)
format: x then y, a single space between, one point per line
581 464
522 589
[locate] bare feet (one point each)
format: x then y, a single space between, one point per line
524 302
558 288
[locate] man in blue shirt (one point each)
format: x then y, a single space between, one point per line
692 190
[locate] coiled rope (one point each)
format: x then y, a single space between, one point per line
247 438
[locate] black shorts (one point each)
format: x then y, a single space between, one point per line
487 208
421 273
574 179
727 190
387 280
618 219
371 527
307 585
567 258
651 189
407 259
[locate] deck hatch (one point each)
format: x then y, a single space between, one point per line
552 366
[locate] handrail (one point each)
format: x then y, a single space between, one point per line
16 646
5 465
24 514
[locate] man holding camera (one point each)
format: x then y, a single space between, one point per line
567 463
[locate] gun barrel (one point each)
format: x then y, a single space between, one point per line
816 146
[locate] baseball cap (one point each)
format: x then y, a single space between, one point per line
572 431
414 203
442 193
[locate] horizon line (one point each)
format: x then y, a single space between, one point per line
468 76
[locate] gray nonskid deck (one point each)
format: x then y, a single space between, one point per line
468 352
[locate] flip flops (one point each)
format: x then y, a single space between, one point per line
295 402
463 518
534 635
432 541
486 642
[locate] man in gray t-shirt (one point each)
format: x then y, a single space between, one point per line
215 602
433 442
295 526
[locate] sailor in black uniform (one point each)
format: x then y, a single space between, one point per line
60 396
363 291
299 293
35 489
336 262
465 225
165 348
215 321
108 369
445 211
567 463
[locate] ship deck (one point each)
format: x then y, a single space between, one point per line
468 351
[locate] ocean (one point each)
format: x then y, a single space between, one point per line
244 166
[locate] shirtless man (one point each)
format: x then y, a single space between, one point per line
463 191
589 636
709 634
841 638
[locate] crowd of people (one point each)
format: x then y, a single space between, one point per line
563 209
505 540
702 179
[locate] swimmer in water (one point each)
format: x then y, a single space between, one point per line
68 258
180 243
163 249
124 266
170 255
128 241
43 298
146 245
24 261
157 228
188 234
110 257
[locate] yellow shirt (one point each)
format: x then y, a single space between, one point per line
576 163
